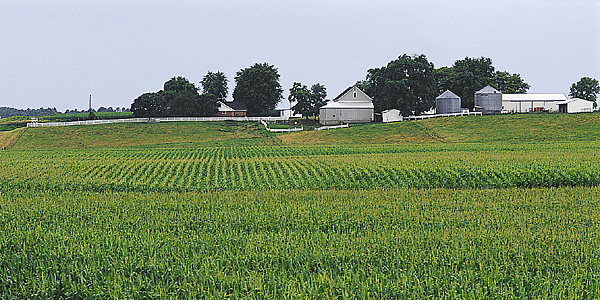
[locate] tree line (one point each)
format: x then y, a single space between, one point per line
408 83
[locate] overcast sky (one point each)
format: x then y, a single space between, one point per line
57 53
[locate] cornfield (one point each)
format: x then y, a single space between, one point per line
478 221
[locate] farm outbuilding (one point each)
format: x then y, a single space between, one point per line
351 106
575 105
231 109
518 103
391 115
488 100
447 103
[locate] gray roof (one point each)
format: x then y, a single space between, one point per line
448 94
237 105
488 90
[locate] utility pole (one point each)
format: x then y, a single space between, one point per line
90 105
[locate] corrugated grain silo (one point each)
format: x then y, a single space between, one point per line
447 103
488 100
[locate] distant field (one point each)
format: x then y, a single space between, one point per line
490 207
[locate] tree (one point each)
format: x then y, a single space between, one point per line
258 86
407 84
215 84
318 92
300 94
468 75
179 98
509 83
183 100
148 105
308 102
586 88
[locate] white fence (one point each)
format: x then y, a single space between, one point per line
332 127
422 117
153 120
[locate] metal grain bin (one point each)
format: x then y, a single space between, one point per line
447 103
488 100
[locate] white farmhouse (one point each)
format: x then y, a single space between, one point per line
575 105
351 106
518 103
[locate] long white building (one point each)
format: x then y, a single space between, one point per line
517 103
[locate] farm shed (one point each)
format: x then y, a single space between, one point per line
391 115
351 106
518 103
488 100
575 105
231 109
447 103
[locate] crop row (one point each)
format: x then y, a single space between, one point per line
385 244
448 169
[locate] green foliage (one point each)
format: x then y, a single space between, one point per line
407 84
300 94
149 105
586 88
318 92
219 210
179 98
7 112
468 75
509 83
383 244
258 86
215 84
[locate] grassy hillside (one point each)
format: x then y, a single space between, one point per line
503 128
8 138
497 128
175 134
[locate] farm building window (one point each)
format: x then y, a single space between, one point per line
354 94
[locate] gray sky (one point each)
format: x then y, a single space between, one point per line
57 53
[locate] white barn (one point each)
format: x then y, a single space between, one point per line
351 106
575 105
518 103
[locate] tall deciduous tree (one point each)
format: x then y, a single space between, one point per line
586 88
318 92
308 102
509 83
258 86
179 98
407 84
468 76
149 105
300 95
215 84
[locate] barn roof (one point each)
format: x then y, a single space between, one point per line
347 100
533 97
573 100
236 105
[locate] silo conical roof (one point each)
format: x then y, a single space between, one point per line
448 94
488 90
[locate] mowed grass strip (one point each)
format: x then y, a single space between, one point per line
161 135
9 138
409 243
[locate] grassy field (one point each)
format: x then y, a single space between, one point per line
495 207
